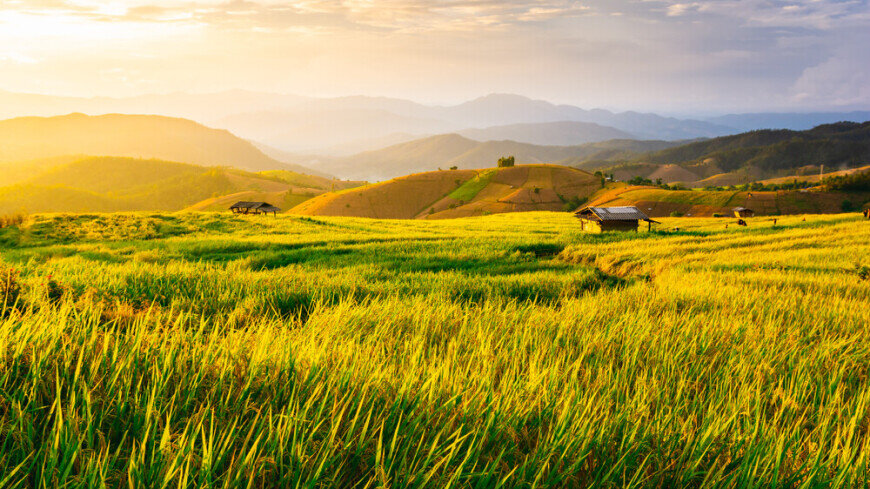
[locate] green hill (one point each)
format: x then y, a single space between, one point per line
103 184
136 136
754 155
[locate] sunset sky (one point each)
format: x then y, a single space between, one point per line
709 56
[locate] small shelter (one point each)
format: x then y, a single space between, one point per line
254 208
600 219
743 212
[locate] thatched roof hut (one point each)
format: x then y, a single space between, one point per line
254 208
600 219
743 212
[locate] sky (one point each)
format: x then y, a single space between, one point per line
679 57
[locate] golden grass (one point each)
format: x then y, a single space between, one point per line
511 350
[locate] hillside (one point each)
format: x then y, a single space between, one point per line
105 184
759 155
458 193
136 136
657 202
446 150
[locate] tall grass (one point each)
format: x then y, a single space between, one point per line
436 354
13 219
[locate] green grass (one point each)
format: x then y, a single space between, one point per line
208 350
469 190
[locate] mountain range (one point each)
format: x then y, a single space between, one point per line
342 126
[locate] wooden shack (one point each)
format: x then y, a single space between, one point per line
743 212
254 208
601 219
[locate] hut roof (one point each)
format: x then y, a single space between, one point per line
260 206
741 209
250 205
625 213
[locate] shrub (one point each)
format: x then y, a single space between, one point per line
862 271
573 203
716 214
54 290
537 190
454 167
676 214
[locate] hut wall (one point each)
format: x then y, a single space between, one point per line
590 226
619 226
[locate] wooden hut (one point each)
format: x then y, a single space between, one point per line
743 212
254 208
600 219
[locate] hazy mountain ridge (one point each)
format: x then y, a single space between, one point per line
136 136
345 125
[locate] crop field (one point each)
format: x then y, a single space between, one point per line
209 350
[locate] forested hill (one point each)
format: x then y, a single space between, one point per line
843 143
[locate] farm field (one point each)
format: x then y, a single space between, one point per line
511 350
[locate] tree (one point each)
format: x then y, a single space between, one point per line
506 162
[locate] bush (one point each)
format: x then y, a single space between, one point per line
454 167
862 271
54 290
676 214
848 206
716 214
506 162
573 203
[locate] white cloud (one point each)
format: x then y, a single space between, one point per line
17 58
841 80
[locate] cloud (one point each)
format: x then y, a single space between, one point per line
17 58
839 81
623 53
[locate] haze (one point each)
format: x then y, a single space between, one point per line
691 58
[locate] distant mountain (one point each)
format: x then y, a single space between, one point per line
106 184
138 136
499 109
460 193
447 150
306 124
322 129
563 133
793 121
345 125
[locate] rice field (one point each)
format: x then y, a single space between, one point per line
209 350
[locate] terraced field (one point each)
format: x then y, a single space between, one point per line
512 350
657 202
